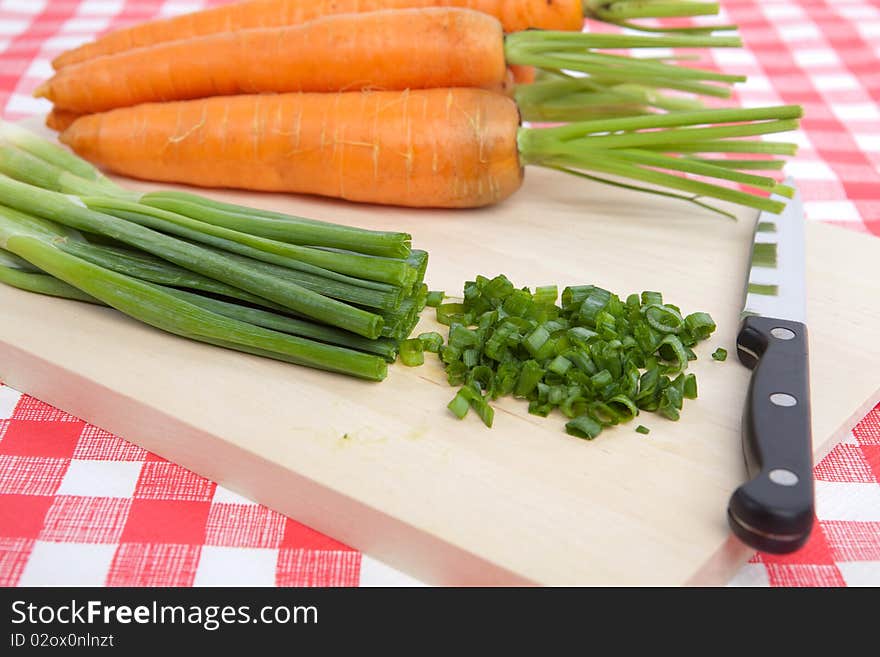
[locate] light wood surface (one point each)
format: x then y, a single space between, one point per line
385 468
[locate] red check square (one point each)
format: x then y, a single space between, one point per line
31 408
816 551
297 535
77 519
95 444
804 575
867 432
166 521
853 541
244 525
21 516
318 568
14 554
162 480
31 475
153 564
38 438
872 458
845 463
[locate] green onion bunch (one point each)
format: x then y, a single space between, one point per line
334 297
599 359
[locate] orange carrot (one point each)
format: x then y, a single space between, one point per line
428 148
59 119
515 15
425 148
389 50
523 74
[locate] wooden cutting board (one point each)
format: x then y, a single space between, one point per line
385 468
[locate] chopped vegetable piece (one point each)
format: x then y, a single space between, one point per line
720 354
690 386
643 429
546 295
459 405
434 298
431 341
583 427
412 353
448 312
663 318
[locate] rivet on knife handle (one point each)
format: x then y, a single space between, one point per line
774 511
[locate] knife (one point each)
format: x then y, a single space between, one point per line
773 511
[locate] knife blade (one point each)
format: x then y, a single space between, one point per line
774 510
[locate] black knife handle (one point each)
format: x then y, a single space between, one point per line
774 511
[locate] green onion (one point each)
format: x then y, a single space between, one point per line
642 429
60 208
663 318
148 303
435 298
583 427
411 352
431 341
42 284
598 359
459 405
384 347
720 354
383 270
280 227
197 268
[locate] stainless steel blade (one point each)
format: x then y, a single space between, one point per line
775 286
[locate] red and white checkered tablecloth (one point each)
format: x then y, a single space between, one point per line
80 506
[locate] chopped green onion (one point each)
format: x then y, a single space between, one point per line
434 298
545 295
642 429
663 318
459 405
411 352
431 341
583 427
449 312
720 354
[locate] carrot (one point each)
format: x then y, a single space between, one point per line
389 50
434 147
59 119
423 148
411 48
523 74
515 15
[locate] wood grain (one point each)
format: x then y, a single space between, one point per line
385 468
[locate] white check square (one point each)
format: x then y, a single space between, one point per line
232 566
376 573
837 500
860 573
807 57
8 401
67 564
752 574
100 478
856 111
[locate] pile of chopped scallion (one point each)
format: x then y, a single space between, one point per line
314 293
599 359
